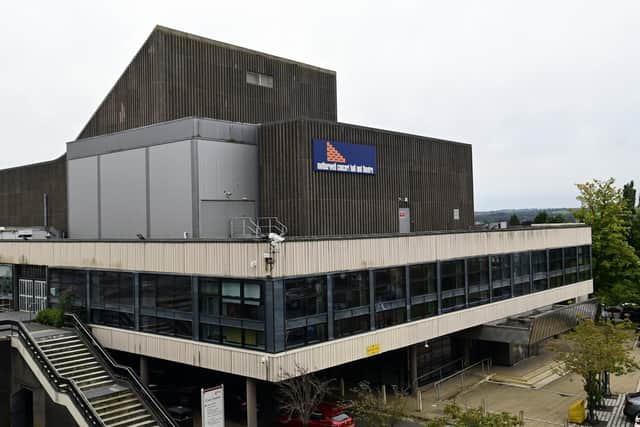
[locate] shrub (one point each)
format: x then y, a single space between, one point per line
51 317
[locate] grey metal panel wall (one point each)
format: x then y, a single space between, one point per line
123 201
215 216
224 166
436 176
170 190
21 190
178 75
83 198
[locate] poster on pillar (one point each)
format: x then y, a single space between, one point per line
212 400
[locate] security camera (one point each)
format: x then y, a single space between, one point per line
275 238
264 360
426 344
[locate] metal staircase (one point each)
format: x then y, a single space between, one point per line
102 392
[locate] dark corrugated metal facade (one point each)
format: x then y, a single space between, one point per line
436 176
21 194
177 75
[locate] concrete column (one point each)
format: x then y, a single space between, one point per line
40 408
413 368
144 370
252 406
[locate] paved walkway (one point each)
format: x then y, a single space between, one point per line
543 406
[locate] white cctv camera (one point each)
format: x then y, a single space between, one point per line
275 238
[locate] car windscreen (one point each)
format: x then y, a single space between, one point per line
340 417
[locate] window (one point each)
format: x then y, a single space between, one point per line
305 297
452 273
113 318
387 318
165 292
478 280
539 262
166 326
390 284
228 335
453 286
166 305
423 310
584 262
6 287
424 279
109 288
521 274
555 267
306 335
350 290
570 265
68 288
234 299
258 79
500 277
351 326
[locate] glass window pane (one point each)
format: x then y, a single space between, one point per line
252 290
350 290
231 289
390 284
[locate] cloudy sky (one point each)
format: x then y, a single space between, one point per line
546 91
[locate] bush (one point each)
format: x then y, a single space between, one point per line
51 317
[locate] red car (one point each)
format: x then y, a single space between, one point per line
325 415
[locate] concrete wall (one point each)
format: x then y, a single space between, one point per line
296 257
190 175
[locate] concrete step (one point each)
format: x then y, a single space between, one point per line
131 421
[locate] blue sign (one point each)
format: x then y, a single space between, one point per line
333 156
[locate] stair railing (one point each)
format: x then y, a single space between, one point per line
124 373
60 384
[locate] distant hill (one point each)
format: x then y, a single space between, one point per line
487 217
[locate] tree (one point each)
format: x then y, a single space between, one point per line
629 198
556 219
370 408
514 220
594 351
541 218
455 416
616 267
300 395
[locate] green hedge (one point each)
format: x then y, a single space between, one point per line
51 317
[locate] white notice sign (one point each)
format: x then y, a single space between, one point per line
213 407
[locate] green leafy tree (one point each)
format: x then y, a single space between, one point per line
594 351
629 198
556 219
369 407
514 220
616 267
456 416
541 218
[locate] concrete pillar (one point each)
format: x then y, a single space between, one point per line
413 369
252 406
39 408
144 370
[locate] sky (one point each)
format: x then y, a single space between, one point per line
547 92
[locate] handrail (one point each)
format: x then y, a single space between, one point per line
123 372
436 385
429 373
60 384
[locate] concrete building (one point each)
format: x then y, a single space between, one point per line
221 222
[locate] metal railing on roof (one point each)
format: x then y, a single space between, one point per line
256 227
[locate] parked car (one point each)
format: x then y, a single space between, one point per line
632 404
325 415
